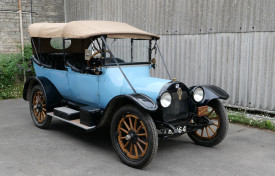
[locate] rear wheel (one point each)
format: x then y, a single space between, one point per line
38 108
134 136
213 134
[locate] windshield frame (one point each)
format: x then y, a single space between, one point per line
132 50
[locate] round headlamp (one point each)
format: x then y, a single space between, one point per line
198 94
165 99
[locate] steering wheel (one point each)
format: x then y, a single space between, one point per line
95 60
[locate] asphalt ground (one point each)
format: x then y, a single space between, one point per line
69 150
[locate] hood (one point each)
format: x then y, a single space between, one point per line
147 85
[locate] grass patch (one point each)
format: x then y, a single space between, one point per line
11 91
240 117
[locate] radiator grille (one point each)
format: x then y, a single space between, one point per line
178 108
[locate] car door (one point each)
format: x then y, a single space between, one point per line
83 87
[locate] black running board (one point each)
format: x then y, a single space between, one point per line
75 122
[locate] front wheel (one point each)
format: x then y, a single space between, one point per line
134 136
213 134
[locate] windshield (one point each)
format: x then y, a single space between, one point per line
128 51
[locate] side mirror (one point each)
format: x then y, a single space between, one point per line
153 63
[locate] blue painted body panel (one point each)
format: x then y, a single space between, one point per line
89 89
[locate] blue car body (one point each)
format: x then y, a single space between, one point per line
100 89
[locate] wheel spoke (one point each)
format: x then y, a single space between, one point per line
145 143
136 151
215 124
143 134
131 124
210 113
34 111
127 143
211 129
135 124
38 97
202 132
125 131
43 115
128 128
39 116
139 128
123 137
140 148
207 132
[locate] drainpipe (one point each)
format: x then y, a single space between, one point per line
21 34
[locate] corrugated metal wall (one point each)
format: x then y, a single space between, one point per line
243 64
228 43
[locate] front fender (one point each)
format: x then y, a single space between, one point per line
53 98
210 92
140 100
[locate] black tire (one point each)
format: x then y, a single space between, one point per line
221 130
38 108
144 126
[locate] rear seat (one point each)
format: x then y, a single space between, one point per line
56 61
53 61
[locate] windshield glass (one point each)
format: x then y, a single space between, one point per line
128 51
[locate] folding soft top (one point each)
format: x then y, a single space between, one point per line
86 29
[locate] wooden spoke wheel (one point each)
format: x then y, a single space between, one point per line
212 134
134 136
209 132
38 108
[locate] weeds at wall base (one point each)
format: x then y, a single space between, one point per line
243 118
11 73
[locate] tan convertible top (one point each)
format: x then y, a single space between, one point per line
86 29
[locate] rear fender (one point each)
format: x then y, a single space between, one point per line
53 98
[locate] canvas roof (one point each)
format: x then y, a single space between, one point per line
86 29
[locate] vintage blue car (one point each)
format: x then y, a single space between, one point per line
97 73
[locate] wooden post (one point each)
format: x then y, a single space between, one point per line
21 34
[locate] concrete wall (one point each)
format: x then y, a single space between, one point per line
228 43
44 11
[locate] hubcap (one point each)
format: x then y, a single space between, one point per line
132 136
128 137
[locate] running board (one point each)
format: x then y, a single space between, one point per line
75 122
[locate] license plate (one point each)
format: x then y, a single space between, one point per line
202 111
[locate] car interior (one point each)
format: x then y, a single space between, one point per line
76 62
